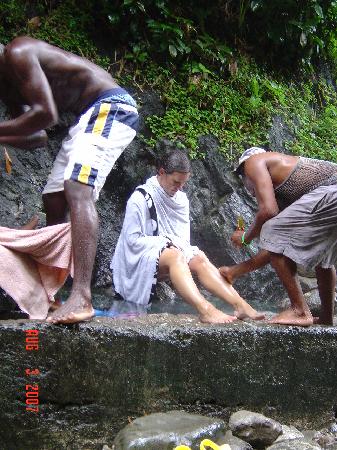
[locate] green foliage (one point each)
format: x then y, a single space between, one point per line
315 128
168 31
300 30
235 111
239 111
205 87
195 32
12 18
65 24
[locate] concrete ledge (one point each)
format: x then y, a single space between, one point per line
96 375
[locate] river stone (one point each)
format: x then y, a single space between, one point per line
254 428
294 444
289 433
234 442
163 431
326 440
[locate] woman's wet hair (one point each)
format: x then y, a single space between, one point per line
174 161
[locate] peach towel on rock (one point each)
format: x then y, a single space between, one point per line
34 264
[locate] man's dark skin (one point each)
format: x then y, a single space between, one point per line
261 174
38 81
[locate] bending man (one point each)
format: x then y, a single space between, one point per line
155 244
296 222
37 82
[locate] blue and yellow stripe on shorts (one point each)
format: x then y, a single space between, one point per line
103 116
84 174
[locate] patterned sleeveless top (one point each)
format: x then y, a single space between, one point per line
307 175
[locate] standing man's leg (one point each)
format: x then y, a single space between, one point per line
209 276
55 206
173 264
84 229
326 281
298 313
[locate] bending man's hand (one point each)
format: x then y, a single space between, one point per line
35 140
237 238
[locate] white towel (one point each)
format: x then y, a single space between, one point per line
134 263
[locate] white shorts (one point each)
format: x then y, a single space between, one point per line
93 145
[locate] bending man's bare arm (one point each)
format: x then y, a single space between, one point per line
257 174
22 64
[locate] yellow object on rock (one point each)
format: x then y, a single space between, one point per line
206 444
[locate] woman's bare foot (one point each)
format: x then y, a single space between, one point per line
75 309
293 317
32 224
245 311
227 273
213 315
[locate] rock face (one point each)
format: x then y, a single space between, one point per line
164 431
217 199
95 377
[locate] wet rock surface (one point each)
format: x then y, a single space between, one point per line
95 377
254 428
234 442
167 430
294 444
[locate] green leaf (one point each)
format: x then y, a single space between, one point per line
173 50
319 10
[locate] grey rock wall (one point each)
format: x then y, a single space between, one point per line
96 377
217 198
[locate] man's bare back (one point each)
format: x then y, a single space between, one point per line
48 79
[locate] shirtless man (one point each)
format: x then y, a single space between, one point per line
38 81
296 222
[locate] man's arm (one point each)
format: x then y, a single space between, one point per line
23 66
258 176
36 140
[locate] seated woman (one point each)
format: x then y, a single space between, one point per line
155 244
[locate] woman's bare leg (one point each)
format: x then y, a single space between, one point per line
209 276
172 261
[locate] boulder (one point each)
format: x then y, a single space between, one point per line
164 431
254 428
294 444
234 442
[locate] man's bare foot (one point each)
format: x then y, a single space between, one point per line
321 321
213 315
74 310
245 311
292 317
56 304
32 224
227 273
